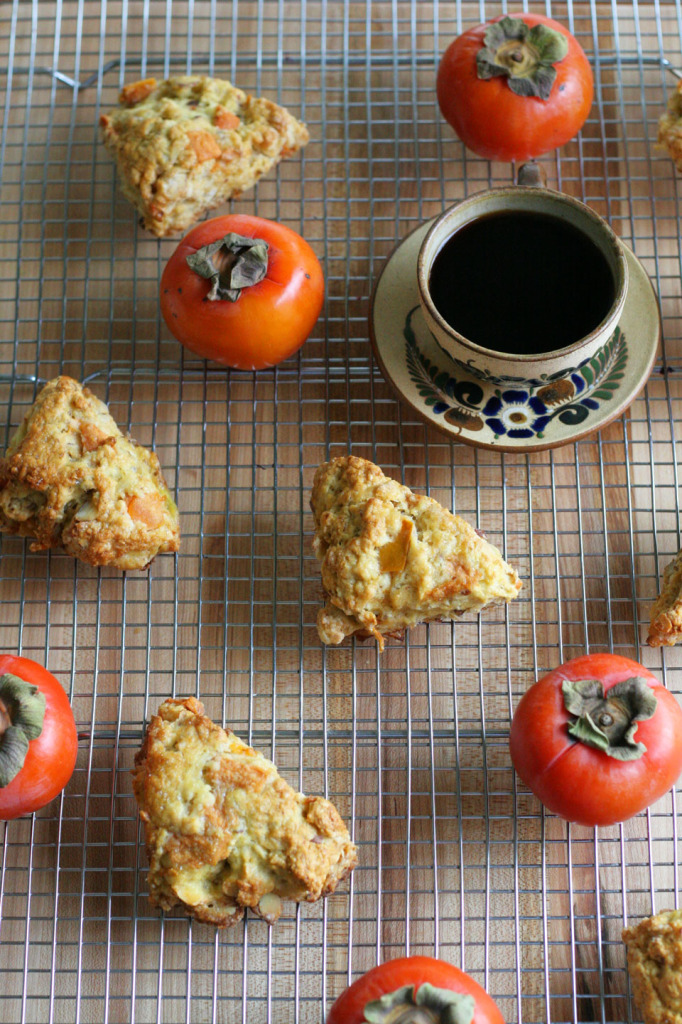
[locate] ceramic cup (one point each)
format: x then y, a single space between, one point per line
530 195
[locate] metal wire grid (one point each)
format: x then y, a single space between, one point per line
455 856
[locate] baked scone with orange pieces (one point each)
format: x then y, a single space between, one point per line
654 949
70 479
223 830
666 615
188 144
391 558
670 127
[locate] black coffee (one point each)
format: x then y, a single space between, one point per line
522 283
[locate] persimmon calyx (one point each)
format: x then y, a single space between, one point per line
22 712
421 1004
231 263
526 56
608 721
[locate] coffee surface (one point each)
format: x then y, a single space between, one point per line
521 283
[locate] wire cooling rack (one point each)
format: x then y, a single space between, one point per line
456 857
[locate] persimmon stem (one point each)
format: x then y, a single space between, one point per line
607 719
525 56
231 264
22 711
421 1004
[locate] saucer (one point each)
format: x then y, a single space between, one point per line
508 416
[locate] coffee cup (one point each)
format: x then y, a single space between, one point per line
520 284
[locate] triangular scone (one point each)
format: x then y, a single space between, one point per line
190 143
71 479
224 831
666 615
654 951
391 558
670 127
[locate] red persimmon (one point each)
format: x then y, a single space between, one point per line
416 980
34 706
225 317
597 740
508 91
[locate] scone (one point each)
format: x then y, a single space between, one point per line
223 830
670 127
70 479
190 143
655 966
391 558
666 615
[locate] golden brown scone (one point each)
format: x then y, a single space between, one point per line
190 143
391 558
224 831
670 127
70 479
655 966
666 615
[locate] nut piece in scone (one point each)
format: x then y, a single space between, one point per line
391 558
666 615
70 479
670 127
223 830
188 144
655 966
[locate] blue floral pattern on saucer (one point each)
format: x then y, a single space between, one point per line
518 412
515 413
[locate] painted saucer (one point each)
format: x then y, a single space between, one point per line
509 415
